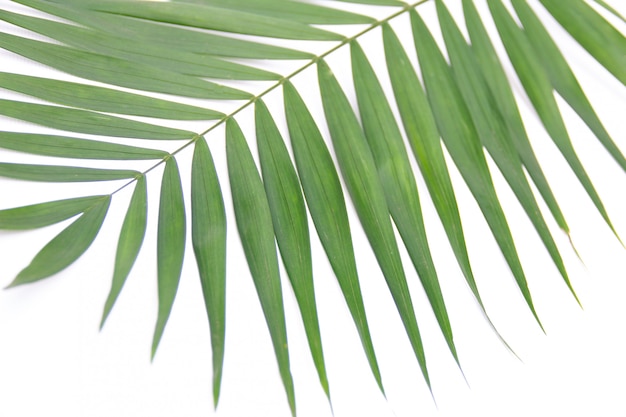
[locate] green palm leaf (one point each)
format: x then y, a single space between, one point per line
208 234
129 245
290 227
492 129
503 96
67 246
255 230
175 72
540 92
398 182
359 171
326 203
593 32
170 245
463 142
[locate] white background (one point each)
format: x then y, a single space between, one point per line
54 362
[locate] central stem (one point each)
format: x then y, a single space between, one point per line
280 82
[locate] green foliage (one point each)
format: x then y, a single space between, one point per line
120 53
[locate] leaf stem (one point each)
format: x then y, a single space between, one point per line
313 61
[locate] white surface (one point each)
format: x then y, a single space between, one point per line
54 362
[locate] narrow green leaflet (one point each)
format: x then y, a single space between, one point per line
112 45
103 99
611 9
286 203
562 77
462 141
45 214
359 172
421 130
398 181
537 85
502 93
172 37
57 173
492 130
254 222
208 236
83 121
69 147
423 136
116 71
214 18
129 243
290 10
327 206
377 2
170 245
67 246
605 43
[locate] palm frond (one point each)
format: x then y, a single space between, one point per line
174 72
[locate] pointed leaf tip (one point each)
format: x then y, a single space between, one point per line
325 200
129 243
290 222
44 214
208 235
170 246
254 224
463 142
398 181
67 246
359 172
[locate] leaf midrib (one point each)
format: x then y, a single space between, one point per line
280 82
